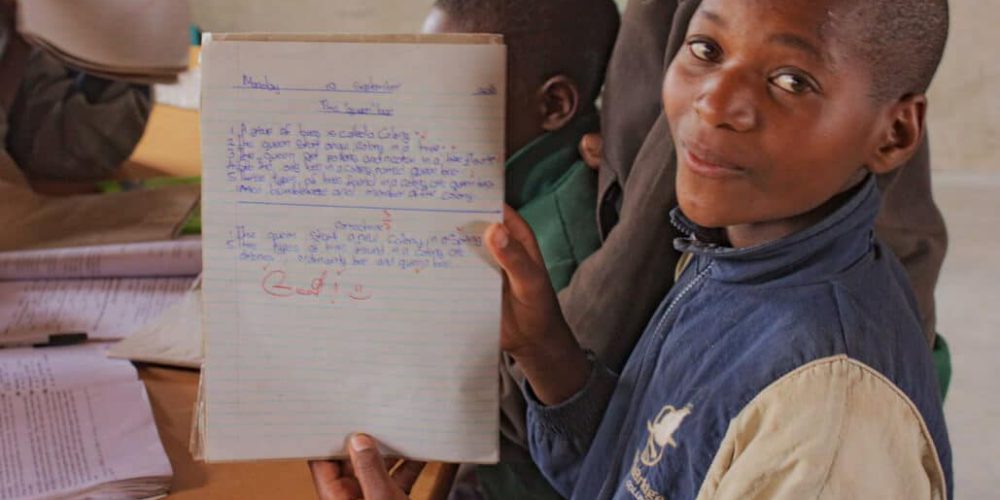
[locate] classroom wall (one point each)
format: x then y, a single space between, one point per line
345 16
964 113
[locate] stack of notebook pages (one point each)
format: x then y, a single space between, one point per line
75 424
107 292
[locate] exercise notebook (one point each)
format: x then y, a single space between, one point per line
347 184
76 425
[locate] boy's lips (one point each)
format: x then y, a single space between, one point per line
707 164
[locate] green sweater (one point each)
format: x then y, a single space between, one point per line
556 193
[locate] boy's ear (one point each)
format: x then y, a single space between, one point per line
560 100
901 137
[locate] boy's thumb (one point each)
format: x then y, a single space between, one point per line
511 256
369 468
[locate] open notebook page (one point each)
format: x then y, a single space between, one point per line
69 367
76 424
347 185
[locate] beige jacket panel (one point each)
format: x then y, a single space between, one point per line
831 429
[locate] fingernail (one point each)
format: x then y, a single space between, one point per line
500 238
361 442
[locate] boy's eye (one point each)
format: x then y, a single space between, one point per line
706 51
792 83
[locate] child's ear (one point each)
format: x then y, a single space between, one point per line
902 134
560 100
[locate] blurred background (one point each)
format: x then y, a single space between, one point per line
965 142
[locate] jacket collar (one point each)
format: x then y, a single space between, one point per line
815 253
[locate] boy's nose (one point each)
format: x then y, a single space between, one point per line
727 101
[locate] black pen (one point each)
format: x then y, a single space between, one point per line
53 340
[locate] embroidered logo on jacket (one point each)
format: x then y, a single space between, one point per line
661 433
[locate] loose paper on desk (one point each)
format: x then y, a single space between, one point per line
128 260
347 185
104 309
105 291
174 338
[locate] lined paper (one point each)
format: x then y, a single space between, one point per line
347 185
173 339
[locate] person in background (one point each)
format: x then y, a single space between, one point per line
57 123
557 52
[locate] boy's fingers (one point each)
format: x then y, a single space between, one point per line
369 468
522 271
330 481
324 474
519 229
406 473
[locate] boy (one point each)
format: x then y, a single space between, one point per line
555 73
773 369
608 301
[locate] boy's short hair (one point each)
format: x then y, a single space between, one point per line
903 40
547 37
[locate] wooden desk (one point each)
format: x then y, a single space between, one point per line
171 147
172 394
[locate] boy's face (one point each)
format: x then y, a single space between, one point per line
770 114
523 116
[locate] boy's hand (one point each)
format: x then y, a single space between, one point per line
530 308
533 329
366 476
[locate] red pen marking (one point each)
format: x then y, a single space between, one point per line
335 292
315 287
359 293
387 220
274 284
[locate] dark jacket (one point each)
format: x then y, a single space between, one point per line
794 369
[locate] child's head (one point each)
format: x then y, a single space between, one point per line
557 53
777 106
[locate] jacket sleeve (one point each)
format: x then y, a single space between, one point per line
71 126
559 436
832 429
